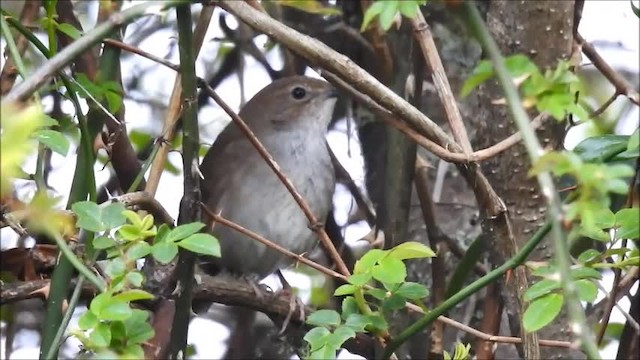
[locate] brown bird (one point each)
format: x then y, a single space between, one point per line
290 117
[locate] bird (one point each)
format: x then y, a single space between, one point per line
290 117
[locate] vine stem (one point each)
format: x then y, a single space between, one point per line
469 290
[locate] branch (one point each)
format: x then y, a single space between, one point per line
621 85
424 38
429 145
327 58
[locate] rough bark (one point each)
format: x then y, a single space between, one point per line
541 30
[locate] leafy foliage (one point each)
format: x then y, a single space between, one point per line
552 91
357 316
461 352
595 167
111 327
386 11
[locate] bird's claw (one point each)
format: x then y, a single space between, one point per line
294 303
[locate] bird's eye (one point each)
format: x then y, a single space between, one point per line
298 93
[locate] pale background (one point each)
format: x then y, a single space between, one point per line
610 25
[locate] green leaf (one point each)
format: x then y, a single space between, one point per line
377 293
541 288
634 141
114 100
390 270
368 260
164 252
185 230
519 65
542 311
627 223
118 332
357 322
69 30
393 302
325 352
589 256
340 335
116 311
559 162
138 250
112 215
87 321
411 250
134 278
635 9
345 289
132 295
54 140
103 242
374 10
481 73
359 279
324 318
101 335
162 234
585 273
147 222
593 232
138 328
115 267
587 290
598 148
388 14
349 306
619 171
204 244
88 216
408 8
412 291
48 121
132 351
377 321
133 218
129 232
99 303
316 337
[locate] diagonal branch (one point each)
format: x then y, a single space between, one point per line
621 85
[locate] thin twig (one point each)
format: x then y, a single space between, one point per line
138 51
621 85
424 38
604 106
322 55
297 257
431 146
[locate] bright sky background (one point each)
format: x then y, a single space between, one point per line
609 24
